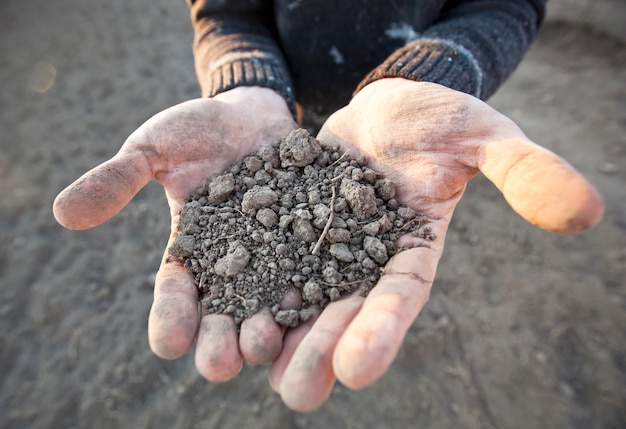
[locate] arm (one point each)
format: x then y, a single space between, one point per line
431 140
233 46
473 47
245 107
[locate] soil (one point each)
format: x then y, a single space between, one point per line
524 329
295 214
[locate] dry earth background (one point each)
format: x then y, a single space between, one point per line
525 329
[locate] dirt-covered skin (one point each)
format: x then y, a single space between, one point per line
296 214
524 329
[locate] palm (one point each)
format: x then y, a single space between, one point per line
182 150
180 147
431 141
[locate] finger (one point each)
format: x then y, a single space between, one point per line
542 187
292 300
260 339
103 191
308 379
372 340
217 351
173 320
291 340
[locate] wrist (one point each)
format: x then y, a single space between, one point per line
391 83
432 60
264 72
256 97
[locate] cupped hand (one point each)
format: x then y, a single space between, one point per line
431 141
181 147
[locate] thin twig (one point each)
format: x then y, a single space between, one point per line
340 158
342 284
331 216
334 179
226 237
413 221
243 300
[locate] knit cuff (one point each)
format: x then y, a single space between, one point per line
250 70
431 60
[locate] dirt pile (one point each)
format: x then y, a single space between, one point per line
294 214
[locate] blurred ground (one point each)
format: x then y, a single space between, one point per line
525 329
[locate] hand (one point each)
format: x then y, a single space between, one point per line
180 147
431 141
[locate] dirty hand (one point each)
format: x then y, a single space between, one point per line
180 147
430 140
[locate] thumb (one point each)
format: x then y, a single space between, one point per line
540 186
102 192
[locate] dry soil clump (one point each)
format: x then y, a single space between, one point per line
296 214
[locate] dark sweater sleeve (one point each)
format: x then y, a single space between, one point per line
473 47
233 46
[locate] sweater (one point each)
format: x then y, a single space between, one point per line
320 52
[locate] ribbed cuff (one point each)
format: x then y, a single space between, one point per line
431 60
261 71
